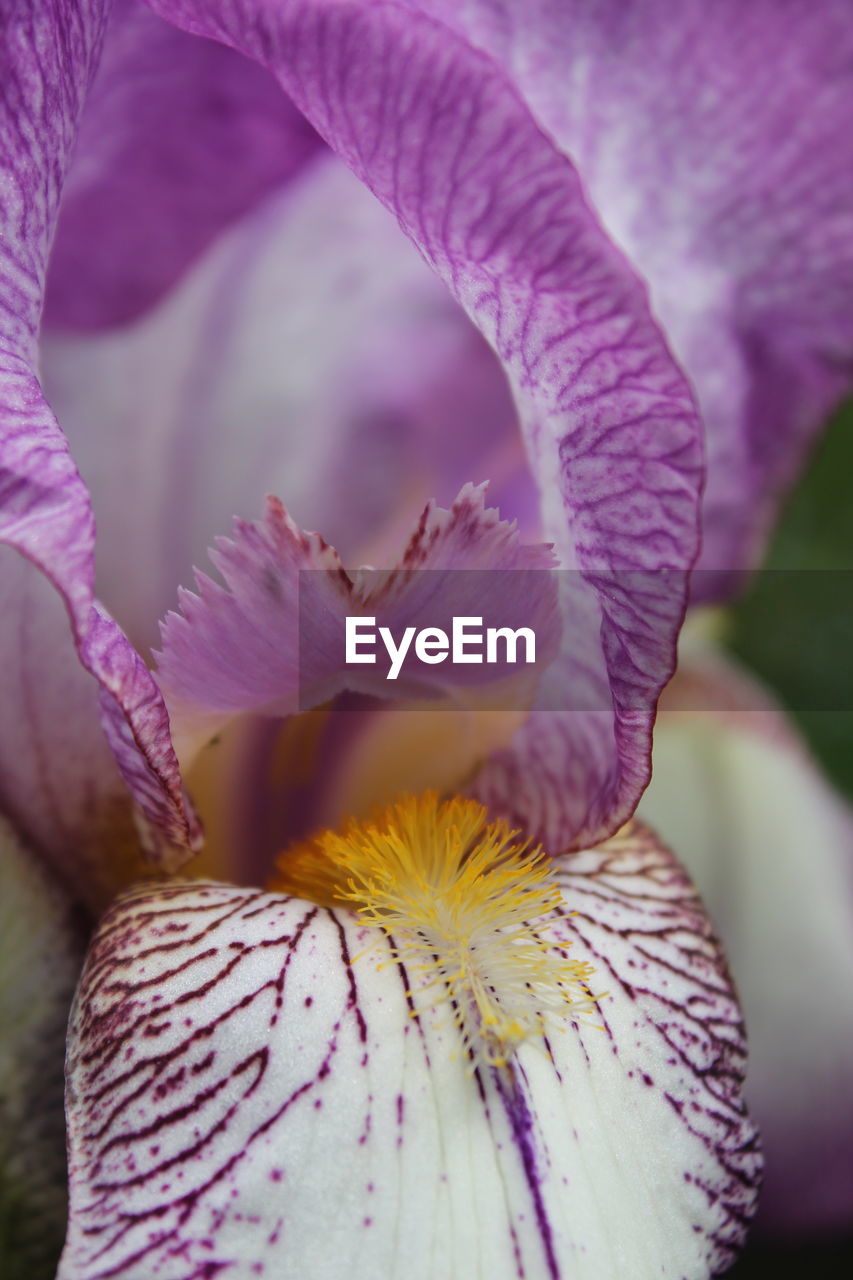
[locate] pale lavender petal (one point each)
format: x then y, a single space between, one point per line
59 782
47 60
771 847
271 639
249 1091
178 138
439 134
312 343
41 954
715 143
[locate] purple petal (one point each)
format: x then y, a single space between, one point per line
234 1072
554 779
44 508
179 137
271 639
557 778
771 847
715 143
442 138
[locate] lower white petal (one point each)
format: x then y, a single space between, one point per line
249 1092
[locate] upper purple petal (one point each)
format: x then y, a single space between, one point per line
47 60
440 135
179 137
714 141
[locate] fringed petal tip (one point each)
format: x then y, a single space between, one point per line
272 637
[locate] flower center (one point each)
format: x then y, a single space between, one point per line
468 909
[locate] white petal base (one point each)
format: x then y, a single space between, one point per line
245 1096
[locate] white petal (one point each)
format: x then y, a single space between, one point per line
771 848
243 1093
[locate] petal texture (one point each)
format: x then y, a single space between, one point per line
178 138
440 135
48 56
244 1094
771 847
714 142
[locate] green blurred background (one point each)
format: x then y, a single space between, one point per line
795 625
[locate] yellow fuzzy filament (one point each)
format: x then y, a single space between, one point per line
466 906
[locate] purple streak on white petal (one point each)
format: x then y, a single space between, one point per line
715 143
47 60
440 135
271 639
770 845
673 1025
233 1072
179 137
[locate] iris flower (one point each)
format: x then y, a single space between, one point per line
309 1070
